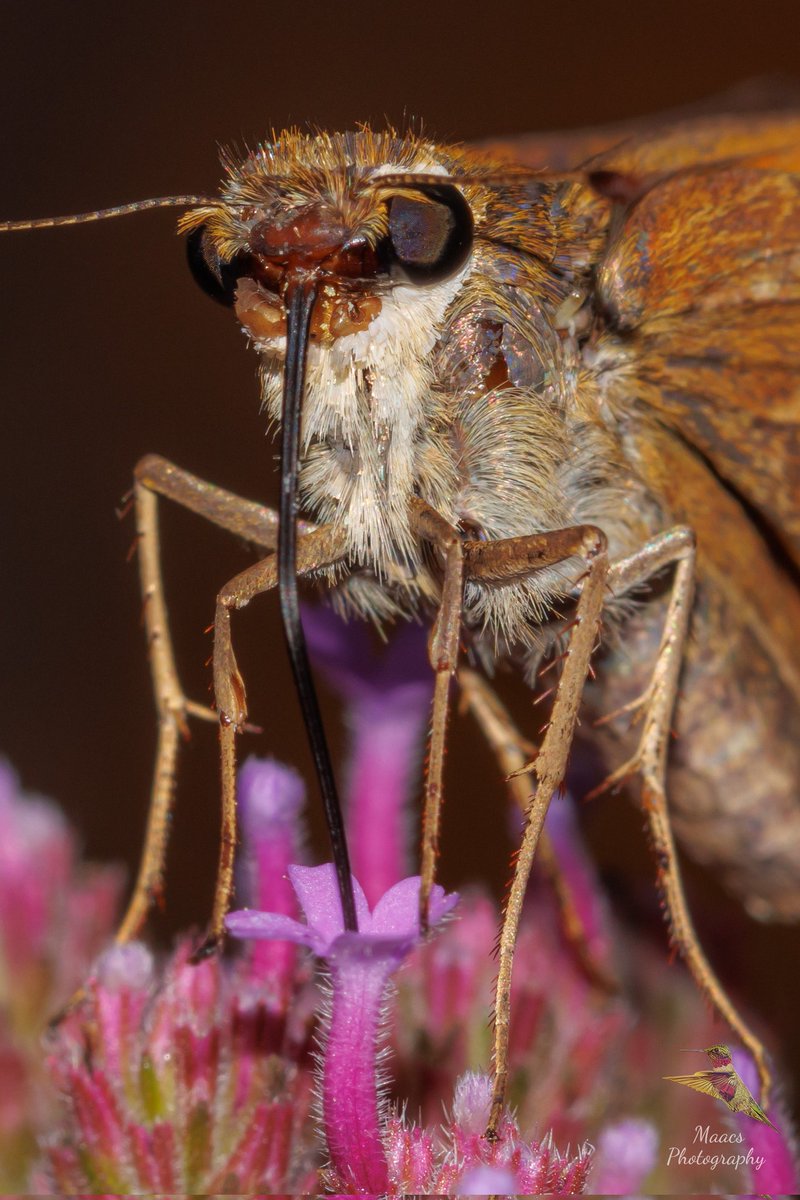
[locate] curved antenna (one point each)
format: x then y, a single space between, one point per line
300 304
398 180
102 214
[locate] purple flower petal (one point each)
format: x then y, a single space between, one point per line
250 923
128 966
318 892
625 1156
487 1181
269 794
361 965
472 1101
270 802
397 911
371 951
345 652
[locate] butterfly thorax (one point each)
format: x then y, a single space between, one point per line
470 387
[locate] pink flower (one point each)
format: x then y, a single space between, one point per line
777 1148
387 697
361 965
174 1084
176 1079
195 1079
626 1154
271 799
55 914
457 1159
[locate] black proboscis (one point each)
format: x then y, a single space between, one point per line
300 305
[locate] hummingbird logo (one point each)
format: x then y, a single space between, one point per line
723 1082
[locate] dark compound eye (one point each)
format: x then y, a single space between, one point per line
217 279
430 236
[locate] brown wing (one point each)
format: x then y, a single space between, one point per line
701 284
701 290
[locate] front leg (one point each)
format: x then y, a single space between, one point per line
316 550
156 477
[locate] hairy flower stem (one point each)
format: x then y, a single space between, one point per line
350 1100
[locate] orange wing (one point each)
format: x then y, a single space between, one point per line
677 136
702 281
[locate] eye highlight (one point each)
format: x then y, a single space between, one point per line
430 234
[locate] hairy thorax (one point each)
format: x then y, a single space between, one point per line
479 392
500 428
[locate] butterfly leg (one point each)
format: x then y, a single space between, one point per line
513 751
649 761
443 654
156 477
315 550
513 559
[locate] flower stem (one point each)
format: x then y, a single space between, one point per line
350 1093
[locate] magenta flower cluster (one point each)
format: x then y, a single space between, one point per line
55 916
321 1059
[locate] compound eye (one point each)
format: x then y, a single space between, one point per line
430 233
217 279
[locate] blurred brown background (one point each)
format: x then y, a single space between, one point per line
109 351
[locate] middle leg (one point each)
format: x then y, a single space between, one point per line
509 560
157 478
